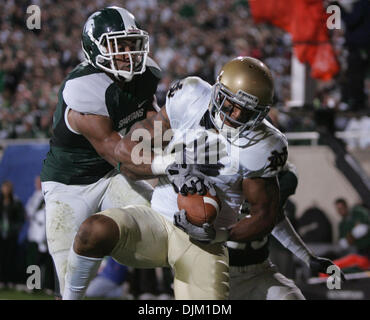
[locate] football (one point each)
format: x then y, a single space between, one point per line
199 209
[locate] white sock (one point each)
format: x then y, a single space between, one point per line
80 271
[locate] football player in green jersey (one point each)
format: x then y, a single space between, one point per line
98 102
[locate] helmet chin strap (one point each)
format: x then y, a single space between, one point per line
230 133
112 70
122 78
225 130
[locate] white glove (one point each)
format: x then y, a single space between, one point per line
205 234
192 178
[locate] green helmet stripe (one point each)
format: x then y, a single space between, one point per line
108 20
127 18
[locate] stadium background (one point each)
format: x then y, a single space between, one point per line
328 136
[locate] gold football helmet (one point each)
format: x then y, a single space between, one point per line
245 83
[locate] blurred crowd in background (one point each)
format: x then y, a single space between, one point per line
187 37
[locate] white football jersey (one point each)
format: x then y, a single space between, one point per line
261 153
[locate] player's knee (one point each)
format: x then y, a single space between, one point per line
96 237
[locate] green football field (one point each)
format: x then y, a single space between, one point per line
11 294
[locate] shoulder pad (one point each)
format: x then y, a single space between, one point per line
187 99
86 94
153 67
290 167
267 155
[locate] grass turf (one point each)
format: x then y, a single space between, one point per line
11 294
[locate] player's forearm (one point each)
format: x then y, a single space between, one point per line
140 159
253 227
289 238
135 150
130 158
105 147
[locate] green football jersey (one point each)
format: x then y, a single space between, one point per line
72 159
357 215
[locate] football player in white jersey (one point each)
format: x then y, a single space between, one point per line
252 275
232 113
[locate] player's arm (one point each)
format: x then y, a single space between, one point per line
285 233
135 153
98 130
263 198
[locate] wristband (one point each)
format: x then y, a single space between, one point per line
118 168
222 235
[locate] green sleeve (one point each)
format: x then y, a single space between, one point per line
360 215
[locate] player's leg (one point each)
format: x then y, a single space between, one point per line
134 236
201 271
122 192
67 206
261 282
64 213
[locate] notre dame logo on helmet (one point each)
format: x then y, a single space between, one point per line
278 159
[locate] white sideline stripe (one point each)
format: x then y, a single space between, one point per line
212 202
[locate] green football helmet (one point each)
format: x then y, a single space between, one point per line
112 33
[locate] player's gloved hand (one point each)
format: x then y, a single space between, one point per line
321 265
199 159
205 234
192 178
